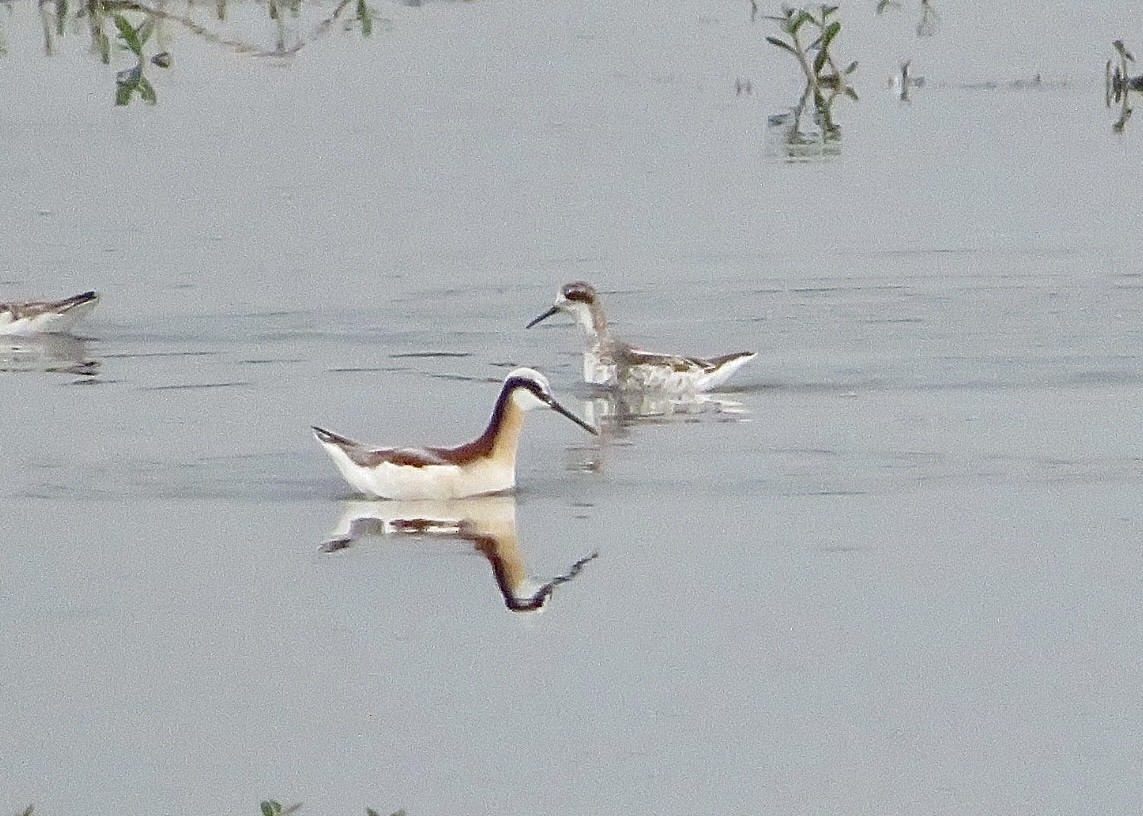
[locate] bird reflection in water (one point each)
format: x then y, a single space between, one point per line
615 413
625 409
487 522
51 353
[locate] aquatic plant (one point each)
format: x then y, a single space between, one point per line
1118 83
272 807
824 81
268 807
792 21
929 23
129 26
131 81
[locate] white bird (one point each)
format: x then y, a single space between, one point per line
485 465
45 316
611 362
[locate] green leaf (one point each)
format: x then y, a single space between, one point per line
271 808
831 31
123 92
852 94
781 44
849 69
366 18
145 30
147 91
820 60
104 44
128 34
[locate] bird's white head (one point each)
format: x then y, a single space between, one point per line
528 389
580 300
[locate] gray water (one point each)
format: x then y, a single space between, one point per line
896 569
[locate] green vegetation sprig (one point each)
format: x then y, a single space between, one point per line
133 26
131 81
820 70
272 807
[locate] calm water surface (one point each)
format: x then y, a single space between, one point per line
896 569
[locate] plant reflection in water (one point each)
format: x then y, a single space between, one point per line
486 522
902 83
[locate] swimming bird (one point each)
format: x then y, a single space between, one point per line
45 316
485 465
611 362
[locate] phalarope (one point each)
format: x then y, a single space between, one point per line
45 316
485 465
611 362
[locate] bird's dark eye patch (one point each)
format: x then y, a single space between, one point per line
528 385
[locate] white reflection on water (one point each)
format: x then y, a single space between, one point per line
624 409
617 413
487 522
52 353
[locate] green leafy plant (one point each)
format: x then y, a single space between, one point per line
134 26
365 18
815 58
810 35
131 81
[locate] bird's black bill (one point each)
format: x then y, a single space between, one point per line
544 316
559 409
